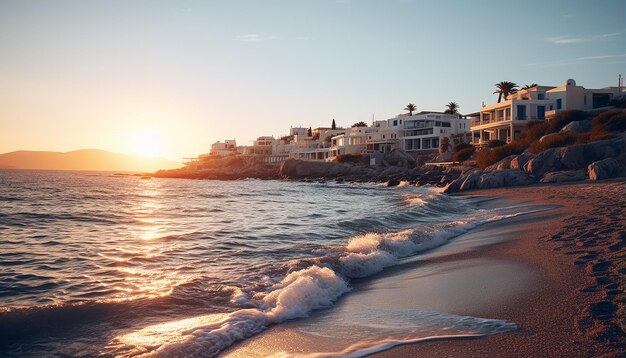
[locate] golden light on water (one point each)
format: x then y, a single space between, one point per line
169 332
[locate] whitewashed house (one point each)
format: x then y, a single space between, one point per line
425 130
505 120
228 147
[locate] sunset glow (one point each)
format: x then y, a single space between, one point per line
148 143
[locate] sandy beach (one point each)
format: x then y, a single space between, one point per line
576 306
557 274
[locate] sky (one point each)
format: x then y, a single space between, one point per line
169 78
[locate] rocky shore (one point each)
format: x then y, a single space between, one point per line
594 161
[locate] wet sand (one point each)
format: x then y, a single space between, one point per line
575 308
557 274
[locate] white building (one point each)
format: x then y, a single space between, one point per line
505 120
228 147
425 130
316 147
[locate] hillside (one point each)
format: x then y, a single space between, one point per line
84 159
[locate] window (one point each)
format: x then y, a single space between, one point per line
585 100
541 112
395 123
541 96
559 103
400 121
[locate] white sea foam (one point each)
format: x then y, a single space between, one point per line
298 293
367 331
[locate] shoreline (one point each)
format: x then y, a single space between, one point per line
575 307
515 270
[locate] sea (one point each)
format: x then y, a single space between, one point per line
102 264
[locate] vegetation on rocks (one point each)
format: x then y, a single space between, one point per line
349 158
604 126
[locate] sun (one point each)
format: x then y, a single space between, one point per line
147 143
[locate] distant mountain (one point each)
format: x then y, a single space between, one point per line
84 159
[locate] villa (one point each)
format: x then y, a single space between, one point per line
505 121
425 130
228 147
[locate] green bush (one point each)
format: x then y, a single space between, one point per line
348 158
463 154
460 146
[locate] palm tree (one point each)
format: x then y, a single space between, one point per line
504 89
527 87
410 107
453 108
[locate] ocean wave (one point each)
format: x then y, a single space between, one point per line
300 292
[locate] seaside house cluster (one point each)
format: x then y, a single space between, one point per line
505 121
422 133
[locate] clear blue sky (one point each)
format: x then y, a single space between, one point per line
101 74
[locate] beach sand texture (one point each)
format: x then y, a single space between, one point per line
577 307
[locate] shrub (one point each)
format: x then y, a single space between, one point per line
459 146
553 141
495 143
488 156
463 154
561 119
606 123
348 158
610 121
533 131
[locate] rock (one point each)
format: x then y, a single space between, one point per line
542 139
471 181
605 169
519 161
443 157
564 176
576 157
398 157
513 177
393 182
504 163
542 163
578 126
489 179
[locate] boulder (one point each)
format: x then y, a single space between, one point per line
519 161
606 168
443 157
546 161
489 179
393 182
564 176
542 139
471 181
578 126
576 157
398 157
504 163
